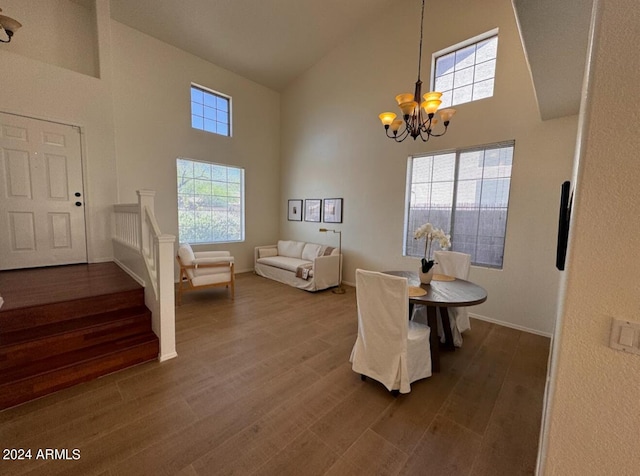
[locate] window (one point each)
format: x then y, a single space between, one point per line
466 193
465 73
210 202
210 111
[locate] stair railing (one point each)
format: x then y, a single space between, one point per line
147 255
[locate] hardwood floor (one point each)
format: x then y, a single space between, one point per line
262 385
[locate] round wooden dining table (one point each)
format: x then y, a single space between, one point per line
441 293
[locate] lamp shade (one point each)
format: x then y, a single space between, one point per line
404 97
9 24
431 95
387 118
408 107
431 106
446 114
395 125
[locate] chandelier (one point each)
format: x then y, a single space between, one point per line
9 25
418 117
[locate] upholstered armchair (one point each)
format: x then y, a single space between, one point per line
204 269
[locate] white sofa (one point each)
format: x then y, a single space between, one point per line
307 266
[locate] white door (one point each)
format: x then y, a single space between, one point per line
41 196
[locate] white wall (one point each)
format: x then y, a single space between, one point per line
333 145
135 118
152 114
55 91
594 413
58 32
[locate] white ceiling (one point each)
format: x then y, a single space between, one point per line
268 41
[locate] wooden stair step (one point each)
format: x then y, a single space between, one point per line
34 316
45 376
19 347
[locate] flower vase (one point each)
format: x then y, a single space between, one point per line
425 278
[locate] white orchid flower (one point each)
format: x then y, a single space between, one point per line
431 233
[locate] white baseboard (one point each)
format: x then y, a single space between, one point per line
510 325
101 260
172 355
493 321
127 270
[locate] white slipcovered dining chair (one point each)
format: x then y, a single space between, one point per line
204 269
453 263
389 348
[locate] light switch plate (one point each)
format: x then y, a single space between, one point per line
625 335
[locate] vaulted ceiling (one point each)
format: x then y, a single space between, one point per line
268 41
274 41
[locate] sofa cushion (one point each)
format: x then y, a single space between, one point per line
291 249
311 251
284 262
266 252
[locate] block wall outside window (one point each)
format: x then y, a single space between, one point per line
466 193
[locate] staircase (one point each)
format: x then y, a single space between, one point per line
65 325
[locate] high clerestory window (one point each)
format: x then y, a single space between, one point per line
466 72
210 111
466 193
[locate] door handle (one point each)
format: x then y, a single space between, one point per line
78 204
77 194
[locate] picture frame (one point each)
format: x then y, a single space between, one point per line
313 210
294 210
332 210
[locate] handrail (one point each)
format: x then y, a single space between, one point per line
150 231
136 229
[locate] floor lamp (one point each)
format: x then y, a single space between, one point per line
339 289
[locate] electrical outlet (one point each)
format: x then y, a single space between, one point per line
625 336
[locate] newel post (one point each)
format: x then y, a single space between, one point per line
166 297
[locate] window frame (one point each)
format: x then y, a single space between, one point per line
408 233
242 197
460 46
216 94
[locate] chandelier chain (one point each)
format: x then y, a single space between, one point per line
420 49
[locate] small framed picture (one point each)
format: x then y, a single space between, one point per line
332 210
312 209
295 210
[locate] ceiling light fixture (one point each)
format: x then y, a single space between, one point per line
416 123
9 25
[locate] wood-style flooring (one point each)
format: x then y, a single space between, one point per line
262 385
